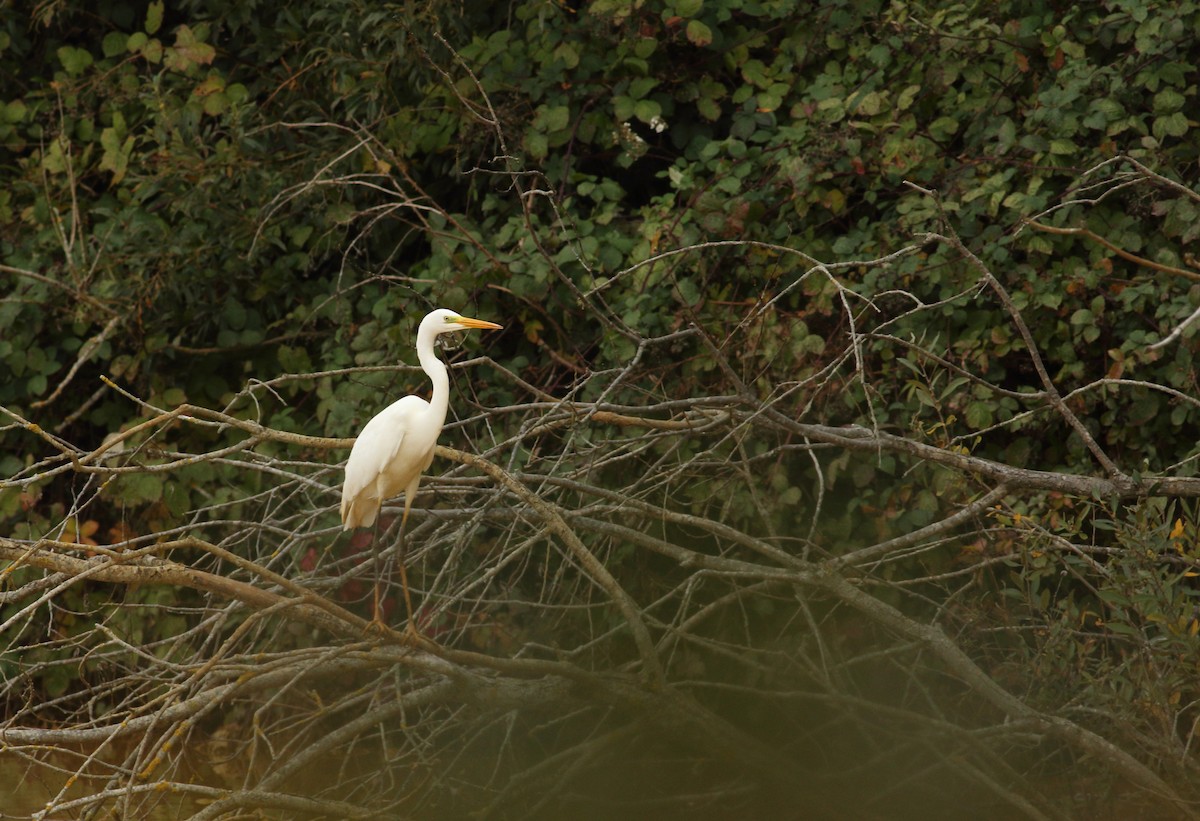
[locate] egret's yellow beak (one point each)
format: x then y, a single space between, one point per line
481 324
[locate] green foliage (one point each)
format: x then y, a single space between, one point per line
151 174
1113 627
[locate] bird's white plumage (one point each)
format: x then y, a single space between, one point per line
396 446
376 470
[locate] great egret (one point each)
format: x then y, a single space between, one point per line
396 446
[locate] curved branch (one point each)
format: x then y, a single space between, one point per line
651 665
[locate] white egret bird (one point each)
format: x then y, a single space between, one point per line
396 446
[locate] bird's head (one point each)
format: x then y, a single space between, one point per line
443 321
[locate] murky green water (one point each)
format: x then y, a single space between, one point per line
27 787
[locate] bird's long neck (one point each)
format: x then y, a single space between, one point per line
437 373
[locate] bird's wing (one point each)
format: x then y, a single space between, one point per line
375 456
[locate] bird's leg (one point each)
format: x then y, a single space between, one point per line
410 626
411 631
377 624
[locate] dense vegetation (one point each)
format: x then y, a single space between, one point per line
959 228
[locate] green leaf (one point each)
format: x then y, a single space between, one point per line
340 213
979 415
870 104
642 86
1034 142
211 85
647 111
708 108
153 51
13 112
567 54
300 234
698 33
1006 134
234 314
906 97
216 104
294 359
116 153
74 60
688 291
943 127
688 8
113 43
140 488
237 93
537 145
1167 101
767 101
555 118
1172 125
189 51
1063 147
154 17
